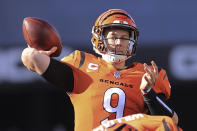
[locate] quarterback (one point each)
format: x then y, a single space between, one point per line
105 88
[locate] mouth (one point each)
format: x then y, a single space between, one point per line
117 52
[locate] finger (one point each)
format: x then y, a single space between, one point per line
149 70
148 79
51 51
151 73
155 68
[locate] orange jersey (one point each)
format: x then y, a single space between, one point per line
139 122
102 92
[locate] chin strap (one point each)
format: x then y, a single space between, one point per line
111 58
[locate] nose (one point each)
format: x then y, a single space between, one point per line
118 42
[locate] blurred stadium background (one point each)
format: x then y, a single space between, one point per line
168 35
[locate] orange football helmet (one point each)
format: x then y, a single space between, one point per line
114 18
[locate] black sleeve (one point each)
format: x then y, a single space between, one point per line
60 75
156 104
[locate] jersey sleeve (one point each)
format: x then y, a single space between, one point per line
75 60
72 58
162 84
59 74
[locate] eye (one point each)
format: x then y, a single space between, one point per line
125 38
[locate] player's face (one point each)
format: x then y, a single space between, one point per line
117 41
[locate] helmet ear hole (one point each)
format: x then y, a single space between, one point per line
98 31
101 46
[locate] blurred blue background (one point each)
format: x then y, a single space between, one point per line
168 35
158 21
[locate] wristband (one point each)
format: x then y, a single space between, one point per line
156 105
146 91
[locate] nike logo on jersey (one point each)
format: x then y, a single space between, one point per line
115 83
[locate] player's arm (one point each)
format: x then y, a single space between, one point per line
57 73
156 105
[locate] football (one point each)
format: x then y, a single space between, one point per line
41 35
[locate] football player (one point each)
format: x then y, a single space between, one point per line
105 88
139 122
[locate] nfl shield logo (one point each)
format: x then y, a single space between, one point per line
117 74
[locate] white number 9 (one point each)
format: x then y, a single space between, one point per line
119 109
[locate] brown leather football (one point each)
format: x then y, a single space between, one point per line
40 35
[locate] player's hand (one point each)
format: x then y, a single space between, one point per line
36 60
150 77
